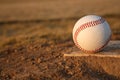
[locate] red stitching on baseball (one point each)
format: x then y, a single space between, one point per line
84 26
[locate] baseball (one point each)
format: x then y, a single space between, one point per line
91 33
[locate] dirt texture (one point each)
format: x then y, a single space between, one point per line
35 34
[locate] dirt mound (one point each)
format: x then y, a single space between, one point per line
33 37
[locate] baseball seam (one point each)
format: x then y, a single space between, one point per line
84 26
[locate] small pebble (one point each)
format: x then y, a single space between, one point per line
38 60
22 58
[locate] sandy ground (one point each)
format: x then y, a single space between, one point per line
35 34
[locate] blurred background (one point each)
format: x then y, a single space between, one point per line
27 18
34 33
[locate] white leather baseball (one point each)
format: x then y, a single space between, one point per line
91 33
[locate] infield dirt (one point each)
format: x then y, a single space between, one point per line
35 34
